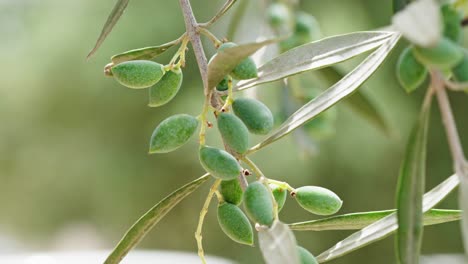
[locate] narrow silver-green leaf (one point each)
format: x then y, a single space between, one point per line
138 231
360 220
278 244
147 53
334 94
115 15
410 190
360 102
463 200
386 225
226 60
316 55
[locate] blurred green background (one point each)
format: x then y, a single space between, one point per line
74 168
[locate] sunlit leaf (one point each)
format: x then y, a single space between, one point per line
226 60
138 231
317 55
147 53
278 244
360 220
115 15
386 225
359 101
410 190
332 95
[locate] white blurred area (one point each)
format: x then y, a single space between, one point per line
444 259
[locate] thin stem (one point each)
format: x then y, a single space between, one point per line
281 184
456 86
220 13
253 167
449 124
211 36
203 212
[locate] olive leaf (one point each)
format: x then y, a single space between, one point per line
386 225
360 220
360 102
315 55
138 231
463 200
147 53
334 94
114 16
410 190
278 244
226 60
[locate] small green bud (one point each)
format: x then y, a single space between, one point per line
460 72
305 256
166 89
258 204
410 72
280 195
235 224
231 191
446 54
235 134
246 69
219 163
318 200
255 115
172 133
278 15
138 74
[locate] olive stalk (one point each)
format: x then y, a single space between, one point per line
203 212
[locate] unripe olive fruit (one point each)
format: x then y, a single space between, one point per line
235 134
258 204
452 23
223 84
280 195
138 74
231 191
219 163
305 256
307 27
235 224
166 89
172 133
246 69
446 54
278 14
410 72
318 200
255 115
460 72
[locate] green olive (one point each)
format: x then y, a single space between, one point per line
410 72
172 133
231 191
235 224
166 89
452 23
280 195
278 15
305 256
235 134
258 204
246 69
223 85
307 28
318 200
219 163
138 74
255 115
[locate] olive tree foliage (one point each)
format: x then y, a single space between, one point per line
436 53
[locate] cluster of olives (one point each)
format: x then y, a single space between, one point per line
447 55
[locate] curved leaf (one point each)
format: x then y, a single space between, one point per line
410 190
386 225
359 101
278 244
138 231
115 15
332 95
226 60
360 220
147 53
315 55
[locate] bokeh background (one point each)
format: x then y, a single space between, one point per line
74 168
